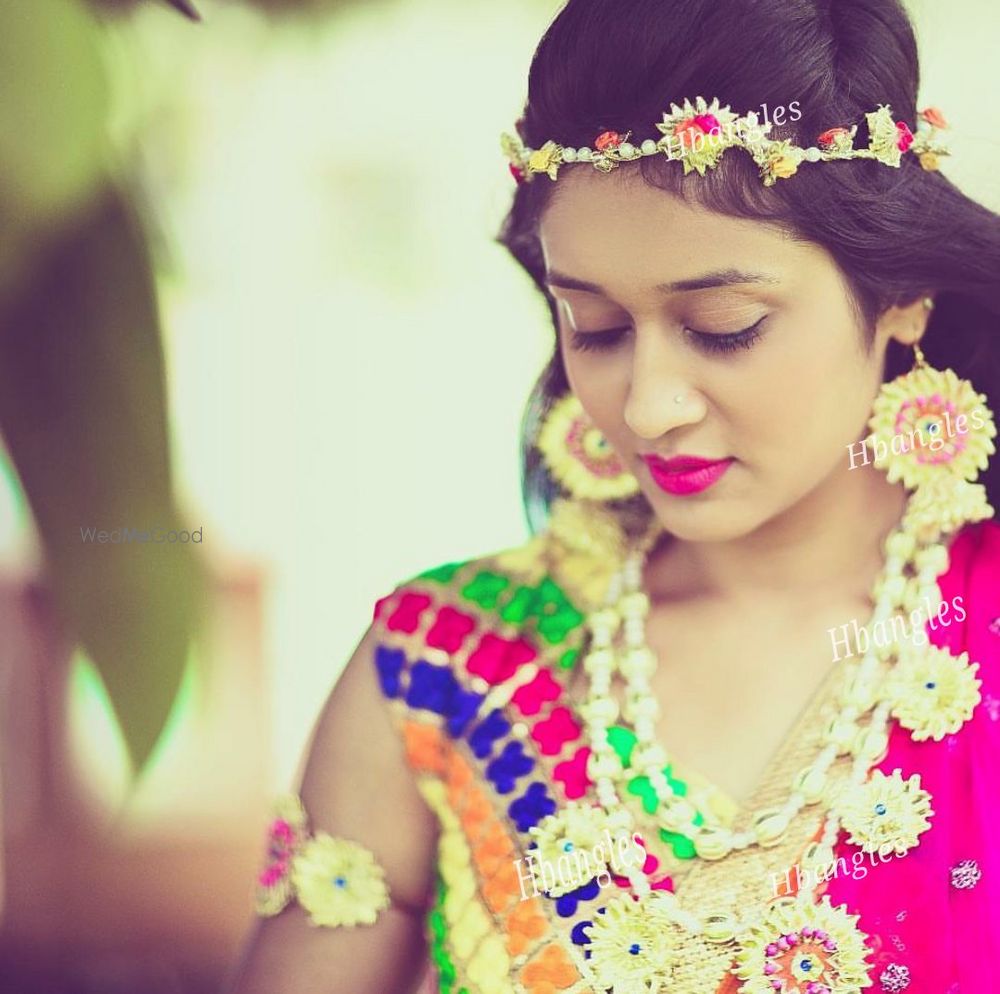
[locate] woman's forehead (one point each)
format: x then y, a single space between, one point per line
604 233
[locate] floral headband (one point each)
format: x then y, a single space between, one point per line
699 133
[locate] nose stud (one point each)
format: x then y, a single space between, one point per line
679 398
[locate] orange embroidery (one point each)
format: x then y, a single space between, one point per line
502 888
459 772
729 986
493 849
476 811
550 971
423 747
525 923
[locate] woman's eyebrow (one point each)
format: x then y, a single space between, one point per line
721 277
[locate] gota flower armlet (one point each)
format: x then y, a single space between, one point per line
336 881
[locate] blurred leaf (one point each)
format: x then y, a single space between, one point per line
53 102
83 411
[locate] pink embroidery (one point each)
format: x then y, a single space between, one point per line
555 731
271 874
530 698
281 841
406 617
281 833
572 774
449 629
649 868
496 659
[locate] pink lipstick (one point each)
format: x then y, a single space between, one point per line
685 475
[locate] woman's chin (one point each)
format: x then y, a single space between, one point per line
705 519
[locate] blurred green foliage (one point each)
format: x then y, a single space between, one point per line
82 378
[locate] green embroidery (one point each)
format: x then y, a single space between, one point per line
680 788
682 846
518 608
623 742
485 589
643 789
439 933
555 617
442 574
568 659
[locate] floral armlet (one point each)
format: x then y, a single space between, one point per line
336 881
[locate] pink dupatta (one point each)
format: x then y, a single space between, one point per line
933 916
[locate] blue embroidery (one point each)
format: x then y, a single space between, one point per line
566 905
508 766
390 663
433 688
464 709
531 807
493 727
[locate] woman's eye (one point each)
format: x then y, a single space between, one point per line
729 342
604 341
597 341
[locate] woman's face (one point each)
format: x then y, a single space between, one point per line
687 333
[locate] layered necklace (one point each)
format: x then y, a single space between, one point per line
792 944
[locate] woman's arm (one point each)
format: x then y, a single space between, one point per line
356 786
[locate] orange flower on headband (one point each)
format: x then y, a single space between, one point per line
832 137
934 117
607 139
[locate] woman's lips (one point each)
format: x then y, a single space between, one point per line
685 475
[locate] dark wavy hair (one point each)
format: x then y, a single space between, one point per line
896 234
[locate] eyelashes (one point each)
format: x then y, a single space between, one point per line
605 341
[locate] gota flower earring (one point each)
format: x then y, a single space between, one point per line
928 424
933 431
579 457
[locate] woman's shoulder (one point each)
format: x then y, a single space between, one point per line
548 582
465 626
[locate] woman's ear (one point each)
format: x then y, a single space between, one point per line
906 323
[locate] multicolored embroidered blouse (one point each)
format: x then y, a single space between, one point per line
476 661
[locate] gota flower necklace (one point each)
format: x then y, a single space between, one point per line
635 942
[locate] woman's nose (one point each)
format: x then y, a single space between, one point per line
661 395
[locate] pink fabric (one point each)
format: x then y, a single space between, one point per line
947 938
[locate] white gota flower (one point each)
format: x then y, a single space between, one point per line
932 692
566 843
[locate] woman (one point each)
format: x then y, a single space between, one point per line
747 469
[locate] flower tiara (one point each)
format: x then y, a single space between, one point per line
699 133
